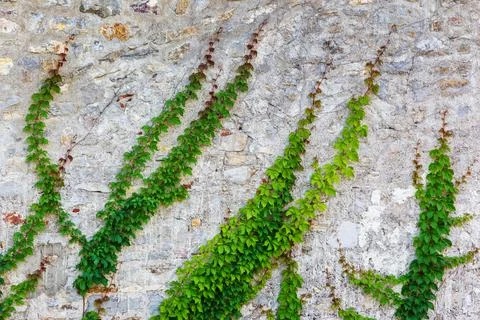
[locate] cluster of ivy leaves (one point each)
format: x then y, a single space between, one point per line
351 314
162 188
17 296
19 292
419 285
216 282
49 181
233 266
91 315
199 133
135 160
289 303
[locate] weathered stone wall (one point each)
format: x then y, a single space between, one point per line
146 48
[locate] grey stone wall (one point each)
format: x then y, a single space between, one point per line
147 48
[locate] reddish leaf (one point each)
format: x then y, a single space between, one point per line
13 218
225 132
188 185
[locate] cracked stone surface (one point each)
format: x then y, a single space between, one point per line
431 64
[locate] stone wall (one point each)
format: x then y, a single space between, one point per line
146 48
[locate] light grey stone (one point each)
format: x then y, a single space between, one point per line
8 26
62 3
93 187
145 6
10 188
234 142
238 158
10 101
239 175
348 234
361 1
102 8
400 195
55 277
29 63
429 44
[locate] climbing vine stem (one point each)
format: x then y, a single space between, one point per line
136 159
162 187
19 292
436 200
49 179
232 267
215 283
289 303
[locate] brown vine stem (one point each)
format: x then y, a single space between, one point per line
464 178
84 305
67 157
43 266
372 70
416 175
331 288
62 57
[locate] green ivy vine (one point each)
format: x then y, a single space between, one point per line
49 181
289 303
419 285
205 288
91 315
199 133
232 267
19 292
147 144
99 255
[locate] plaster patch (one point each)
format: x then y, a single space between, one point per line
348 234
400 195
5 65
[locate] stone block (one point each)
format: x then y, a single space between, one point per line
233 142
102 8
7 26
239 175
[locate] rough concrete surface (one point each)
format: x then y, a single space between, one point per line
147 48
